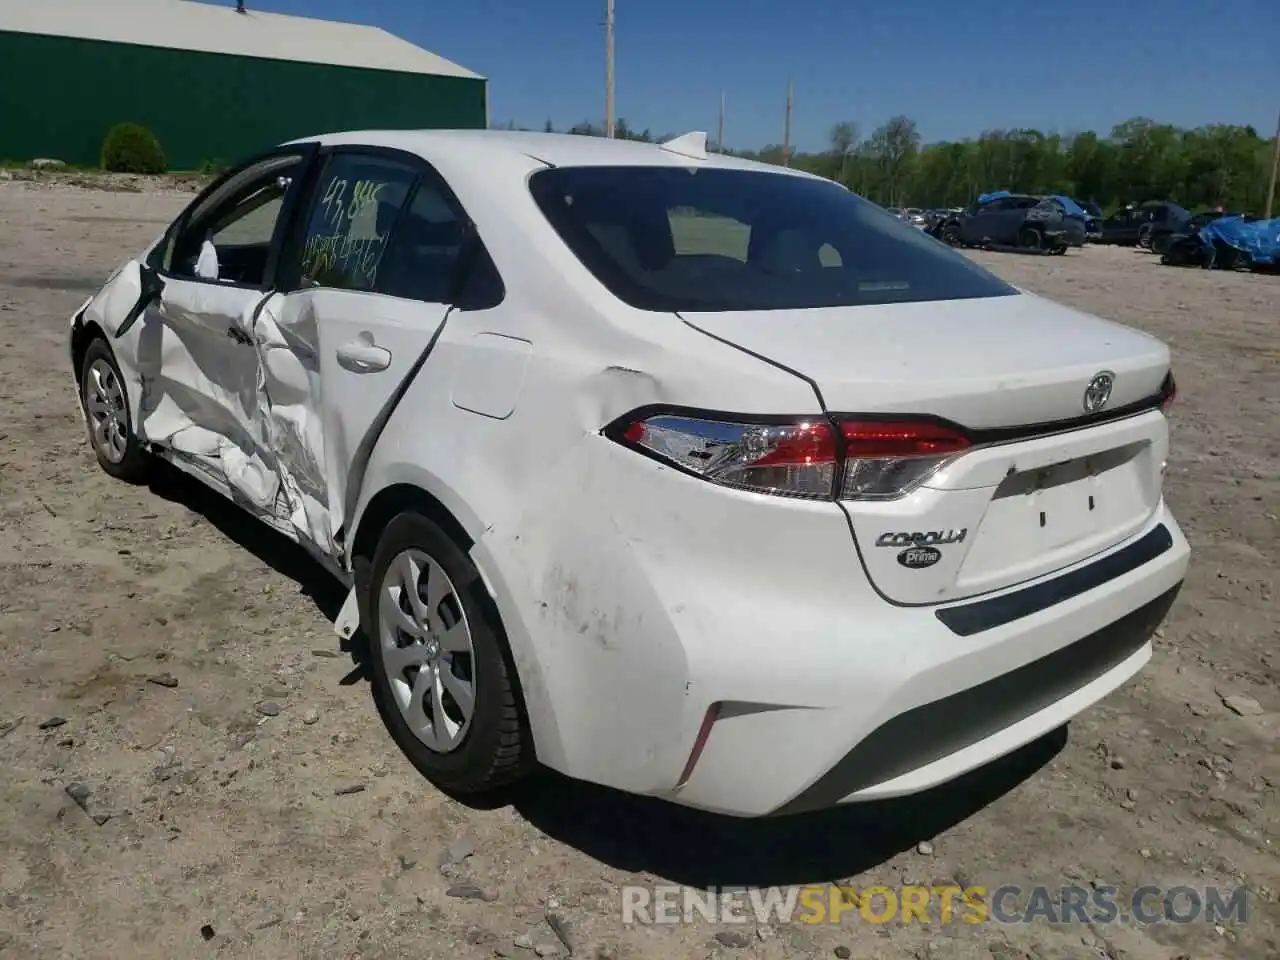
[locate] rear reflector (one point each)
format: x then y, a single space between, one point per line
813 459
699 743
1168 391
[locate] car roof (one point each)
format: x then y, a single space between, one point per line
554 149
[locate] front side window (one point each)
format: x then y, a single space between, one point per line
240 219
356 203
675 239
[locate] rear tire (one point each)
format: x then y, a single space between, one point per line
1160 244
1029 238
443 678
105 402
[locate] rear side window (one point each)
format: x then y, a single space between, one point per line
675 239
355 206
420 261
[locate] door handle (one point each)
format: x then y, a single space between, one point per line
363 356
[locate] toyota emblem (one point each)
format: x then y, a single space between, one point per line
1098 392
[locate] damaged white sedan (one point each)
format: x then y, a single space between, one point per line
682 474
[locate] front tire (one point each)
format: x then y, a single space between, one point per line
443 679
106 409
1029 238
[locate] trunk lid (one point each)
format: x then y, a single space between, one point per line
983 363
1008 510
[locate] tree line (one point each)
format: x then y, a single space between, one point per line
1217 165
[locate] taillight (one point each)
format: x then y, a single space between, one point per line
814 459
1168 391
791 459
885 459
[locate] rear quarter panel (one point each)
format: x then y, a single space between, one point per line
525 486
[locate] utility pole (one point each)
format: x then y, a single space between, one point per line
608 68
1275 168
720 131
786 130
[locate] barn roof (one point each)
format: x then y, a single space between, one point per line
218 28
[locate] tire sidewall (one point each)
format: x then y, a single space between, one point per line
460 769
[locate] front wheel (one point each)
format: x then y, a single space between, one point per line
1029 238
951 234
106 410
443 679
1160 244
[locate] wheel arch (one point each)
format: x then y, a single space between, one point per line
397 497
394 499
83 333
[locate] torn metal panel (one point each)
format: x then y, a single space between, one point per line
202 395
289 389
358 354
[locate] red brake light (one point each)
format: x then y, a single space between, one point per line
1168 391
881 459
908 438
885 459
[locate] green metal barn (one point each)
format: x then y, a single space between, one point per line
211 82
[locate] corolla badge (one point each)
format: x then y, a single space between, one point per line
926 538
1098 392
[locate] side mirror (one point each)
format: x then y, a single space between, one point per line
151 285
207 262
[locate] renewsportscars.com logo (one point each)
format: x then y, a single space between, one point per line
1012 904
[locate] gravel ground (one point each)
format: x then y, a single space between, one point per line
193 768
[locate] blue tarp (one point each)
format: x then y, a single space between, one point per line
1073 209
1259 240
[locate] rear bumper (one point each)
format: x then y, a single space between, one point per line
922 702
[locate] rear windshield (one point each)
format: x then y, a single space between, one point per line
675 239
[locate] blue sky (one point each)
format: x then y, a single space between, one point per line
954 67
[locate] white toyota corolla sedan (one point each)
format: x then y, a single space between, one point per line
687 475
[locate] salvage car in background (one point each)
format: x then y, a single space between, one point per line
647 463
1133 226
1162 236
1003 219
1228 242
1093 221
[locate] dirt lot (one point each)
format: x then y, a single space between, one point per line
179 664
